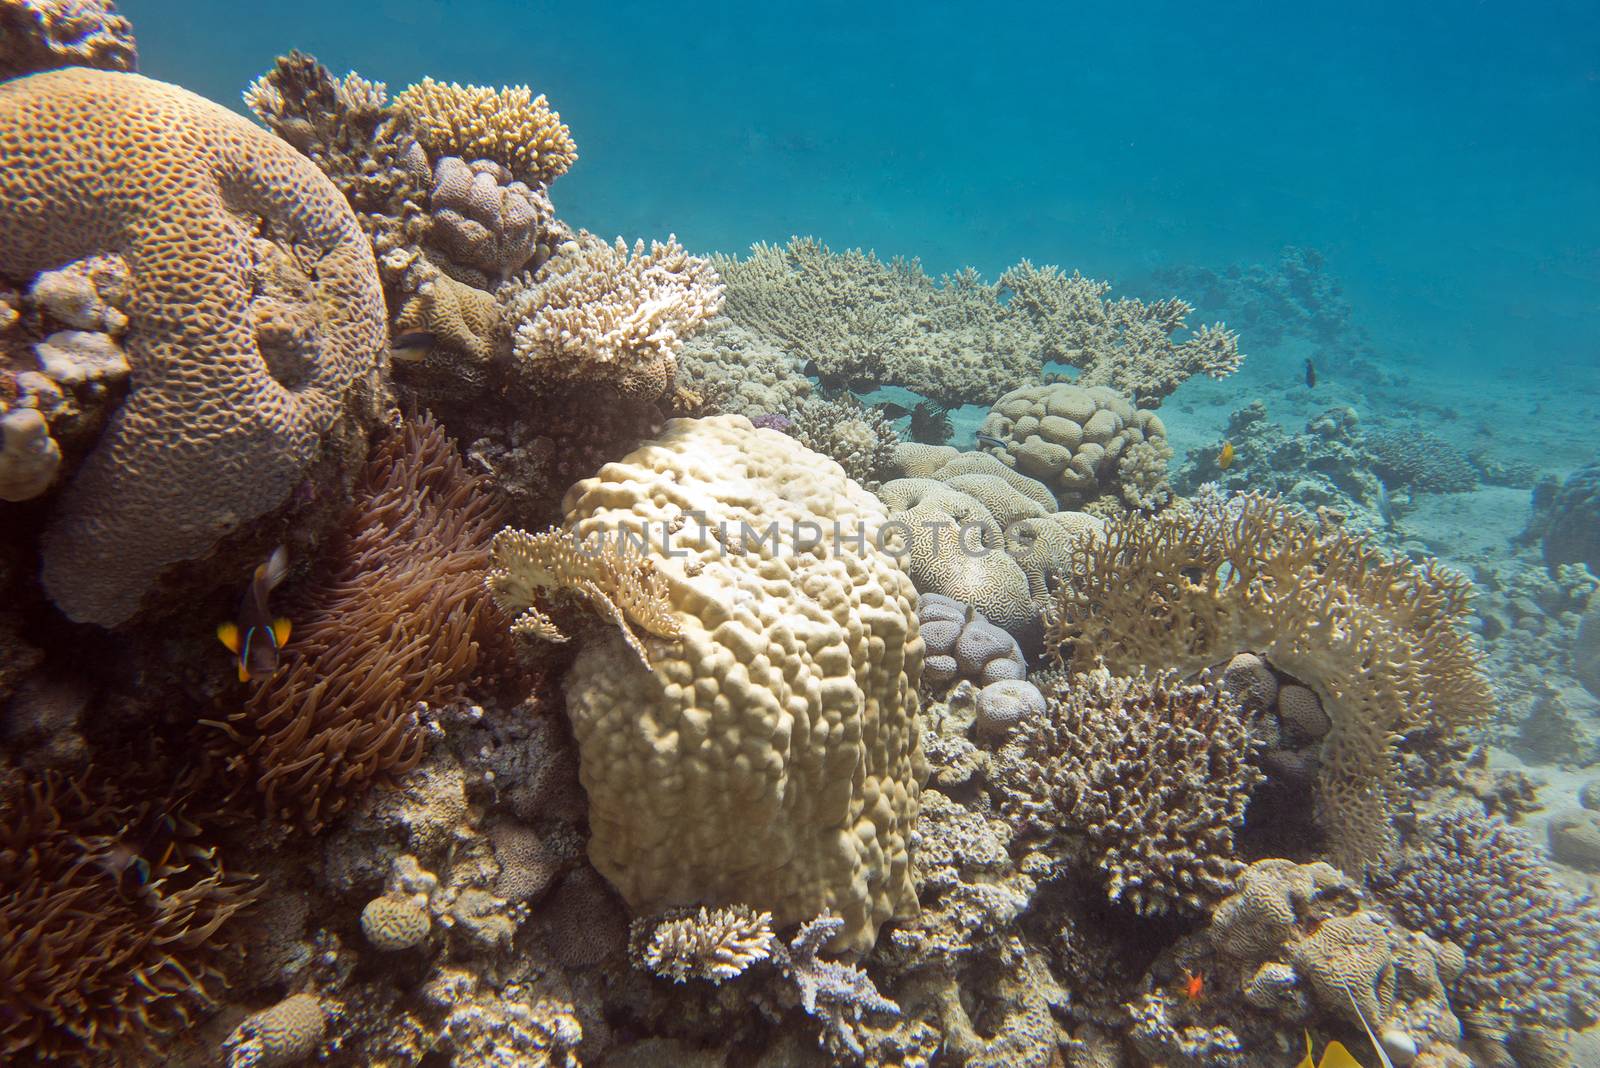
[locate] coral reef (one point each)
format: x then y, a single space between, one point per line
715 945
395 615
511 126
278 1036
243 346
115 920
805 658
961 643
1573 531
1529 941
38 35
859 439
1147 777
1418 460
1084 444
393 923
980 533
29 456
1126 344
740 372
1381 641
595 316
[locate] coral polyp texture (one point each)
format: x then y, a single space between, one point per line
394 617
1530 941
768 755
114 923
510 126
1083 443
38 35
596 315
244 340
1148 777
279 1035
1382 641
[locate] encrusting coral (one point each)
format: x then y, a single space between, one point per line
510 126
1147 776
1382 641
595 316
244 342
769 754
1530 942
396 615
114 919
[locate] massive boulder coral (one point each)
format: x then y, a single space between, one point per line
1146 779
244 342
596 316
1383 642
769 754
1083 443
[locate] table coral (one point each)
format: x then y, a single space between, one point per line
768 755
1382 641
244 342
597 316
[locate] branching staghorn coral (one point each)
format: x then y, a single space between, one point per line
1381 640
836 993
113 922
1125 344
510 126
712 944
397 617
1153 774
595 316
1530 942
616 582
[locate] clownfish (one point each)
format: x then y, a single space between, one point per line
255 637
1225 457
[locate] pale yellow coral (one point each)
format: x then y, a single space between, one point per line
254 307
1383 642
594 315
771 755
713 944
510 126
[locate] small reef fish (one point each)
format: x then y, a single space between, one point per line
991 441
892 410
1335 1056
411 347
1311 373
255 636
1225 457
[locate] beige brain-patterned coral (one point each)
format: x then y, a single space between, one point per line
254 308
279 1035
596 315
510 126
770 754
1381 641
1084 443
393 922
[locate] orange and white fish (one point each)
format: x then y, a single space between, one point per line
255 636
1225 457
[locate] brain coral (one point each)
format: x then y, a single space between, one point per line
770 755
1152 774
1083 443
1381 641
254 307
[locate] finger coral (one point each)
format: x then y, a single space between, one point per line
113 923
712 944
396 616
1382 641
770 754
509 126
1530 942
1151 775
244 339
594 315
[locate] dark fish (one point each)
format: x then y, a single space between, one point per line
891 410
991 441
411 346
255 636
1311 373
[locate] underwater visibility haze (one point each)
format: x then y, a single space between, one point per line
730 537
